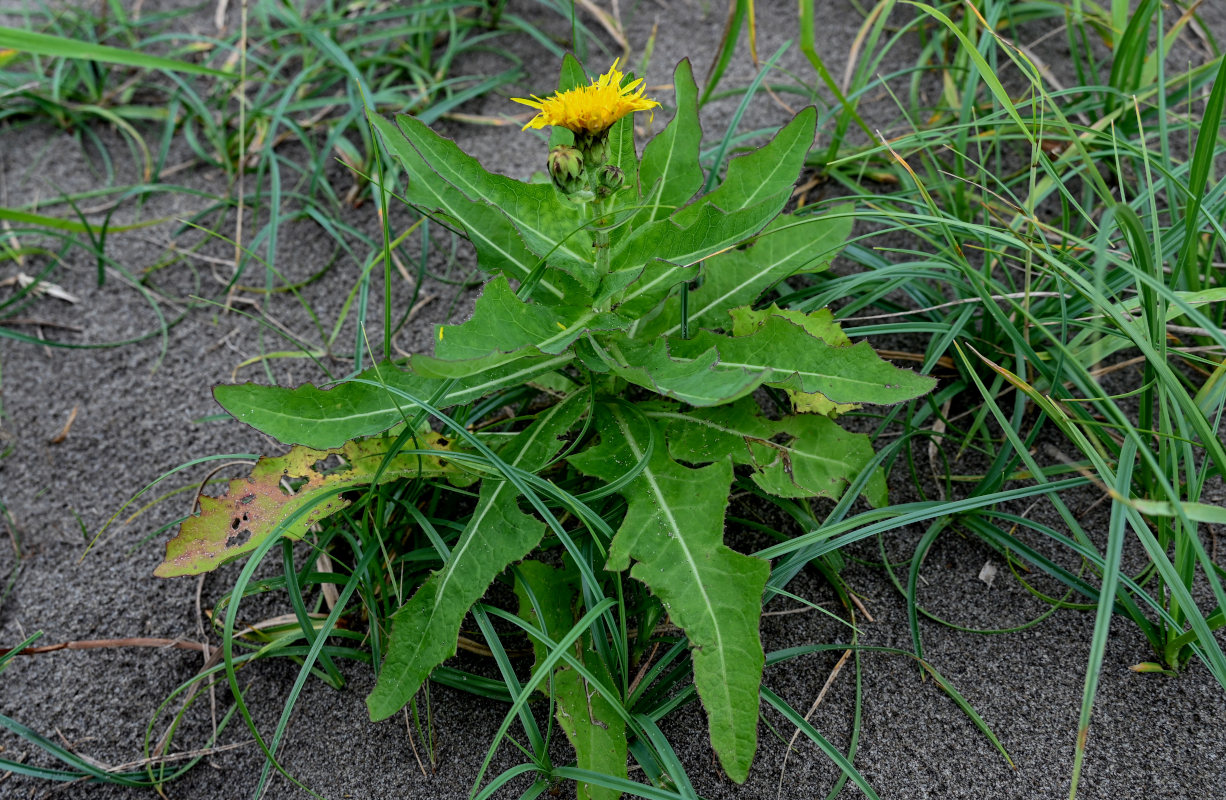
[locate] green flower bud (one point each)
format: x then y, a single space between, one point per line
609 179
595 147
566 169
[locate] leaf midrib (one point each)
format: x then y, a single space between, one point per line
662 505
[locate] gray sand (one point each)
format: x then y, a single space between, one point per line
139 414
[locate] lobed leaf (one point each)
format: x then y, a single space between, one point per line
591 724
820 324
500 247
762 173
755 190
711 369
551 227
673 530
267 502
554 590
800 456
424 629
785 247
686 241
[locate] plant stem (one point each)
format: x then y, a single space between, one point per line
600 243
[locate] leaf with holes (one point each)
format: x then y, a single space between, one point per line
800 456
287 494
820 324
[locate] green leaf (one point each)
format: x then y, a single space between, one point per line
698 380
673 529
45 44
820 324
622 154
756 189
324 418
570 76
551 227
763 173
789 356
820 460
503 328
256 507
500 248
787 246
800 456
425 628
711 369
648 285
687 240
554 590
670 173
592 725
1197 512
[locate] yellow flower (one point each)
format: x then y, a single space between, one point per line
590 110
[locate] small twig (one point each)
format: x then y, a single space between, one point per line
934 446
834 673
643 669
323 564
207 656
63 432
608 22
147 762
408 729
863 609
97 644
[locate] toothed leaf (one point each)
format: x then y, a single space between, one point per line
424 629
674 530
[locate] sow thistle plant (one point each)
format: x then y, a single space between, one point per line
628 315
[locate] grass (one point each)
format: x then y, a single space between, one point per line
1037 238
1054 245
281 103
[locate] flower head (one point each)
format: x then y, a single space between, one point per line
590 110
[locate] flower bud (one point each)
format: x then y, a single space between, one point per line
610 178
595 147
566 169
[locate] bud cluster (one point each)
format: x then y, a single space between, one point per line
580 171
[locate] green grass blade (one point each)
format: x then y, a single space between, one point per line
45 44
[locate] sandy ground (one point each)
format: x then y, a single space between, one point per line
145 408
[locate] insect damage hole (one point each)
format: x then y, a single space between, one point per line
332 464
